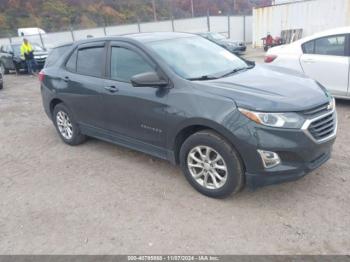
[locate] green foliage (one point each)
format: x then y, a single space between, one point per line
57 15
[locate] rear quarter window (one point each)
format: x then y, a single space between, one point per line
56 54
309 47
329 45
71 64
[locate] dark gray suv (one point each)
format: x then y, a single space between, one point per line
183 98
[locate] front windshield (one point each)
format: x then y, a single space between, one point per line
217 36
196 57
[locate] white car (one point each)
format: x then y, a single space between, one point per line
324 57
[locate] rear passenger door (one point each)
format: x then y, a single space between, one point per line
133 112
326 60
84 80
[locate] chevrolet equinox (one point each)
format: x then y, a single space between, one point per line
180 97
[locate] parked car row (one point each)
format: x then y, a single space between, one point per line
10 57
323 57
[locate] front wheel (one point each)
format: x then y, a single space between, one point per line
211 165
66 126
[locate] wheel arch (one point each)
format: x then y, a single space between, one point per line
195 126
54 102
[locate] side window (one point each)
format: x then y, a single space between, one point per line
126 63
333 45
71 64
308 47
90 61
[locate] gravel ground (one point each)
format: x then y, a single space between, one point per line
99 198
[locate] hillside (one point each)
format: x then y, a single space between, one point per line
56 15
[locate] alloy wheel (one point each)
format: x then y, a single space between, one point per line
207 167
64 125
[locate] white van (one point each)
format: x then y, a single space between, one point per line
30 31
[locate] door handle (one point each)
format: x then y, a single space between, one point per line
111 89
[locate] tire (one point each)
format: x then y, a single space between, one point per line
231 181
63 121
3 68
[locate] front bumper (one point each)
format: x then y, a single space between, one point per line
290 170
239 49
298 152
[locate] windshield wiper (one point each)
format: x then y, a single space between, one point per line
236 70
202 78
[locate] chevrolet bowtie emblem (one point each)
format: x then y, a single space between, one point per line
330 106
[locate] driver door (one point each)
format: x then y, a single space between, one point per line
135 113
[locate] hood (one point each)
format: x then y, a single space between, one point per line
268 88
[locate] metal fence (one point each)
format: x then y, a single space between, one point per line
234 27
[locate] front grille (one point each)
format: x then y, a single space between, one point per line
316 110
323 127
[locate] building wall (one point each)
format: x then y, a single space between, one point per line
312 16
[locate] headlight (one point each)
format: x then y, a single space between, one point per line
285 120
332 104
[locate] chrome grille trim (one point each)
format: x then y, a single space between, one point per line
332 120
316 110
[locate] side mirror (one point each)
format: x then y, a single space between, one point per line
148 79
250 63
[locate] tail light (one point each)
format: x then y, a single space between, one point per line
41 76
269 58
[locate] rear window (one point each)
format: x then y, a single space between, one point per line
334 45
55 54
331 45
90 61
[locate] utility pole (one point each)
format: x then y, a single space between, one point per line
154 10
192 8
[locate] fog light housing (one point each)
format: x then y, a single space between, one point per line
269 159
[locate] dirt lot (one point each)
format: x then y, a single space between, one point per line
99 198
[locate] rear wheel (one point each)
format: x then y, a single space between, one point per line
3 69
66 126
211 164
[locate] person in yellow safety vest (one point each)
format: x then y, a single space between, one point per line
27 54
